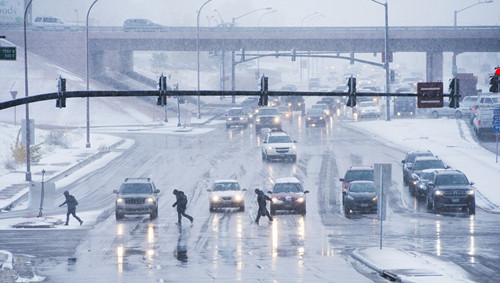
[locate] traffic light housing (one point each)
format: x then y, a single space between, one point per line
162 97
351 84
61 88
263 91
454 93
495 81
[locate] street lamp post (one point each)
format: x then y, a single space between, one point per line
27 123
256 10
87 49
454 58
386 59
198 54
258 53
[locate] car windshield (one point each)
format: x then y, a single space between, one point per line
315 112
359 175
235 112
428 164
279 139
426 175
287 188
452 179
320 106
268 111
411 157
362 187
136 188
229 186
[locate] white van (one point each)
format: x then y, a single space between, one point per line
52 23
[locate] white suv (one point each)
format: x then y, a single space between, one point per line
46 22
279 145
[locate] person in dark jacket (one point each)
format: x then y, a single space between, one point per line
181 203
71 202
261 200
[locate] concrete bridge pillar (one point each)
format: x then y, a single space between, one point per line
96 63
126 61
434 67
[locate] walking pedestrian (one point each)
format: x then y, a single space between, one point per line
181 203
71 202
261 200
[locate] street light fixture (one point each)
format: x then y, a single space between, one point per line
87 49
454 58
307 16
386 60
198 53
27 123
258 24
256 10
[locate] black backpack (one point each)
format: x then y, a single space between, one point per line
184 200
73 200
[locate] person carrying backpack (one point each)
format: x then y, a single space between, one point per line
181 203
71 202
261 200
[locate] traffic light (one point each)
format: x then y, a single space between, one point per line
294 55
61 88
263 91
162 97
495 81
351 84
454 93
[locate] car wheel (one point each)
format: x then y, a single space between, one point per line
153 215
227 126
412 190
435 114
242 208
347 211
263 156
458 114
273 211
294 158
429 205
303 212
435 209
118 216
211 209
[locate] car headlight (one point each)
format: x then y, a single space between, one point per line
238 198
350 197
321 118
300 200
242 118
294 147
470 193
150 200
215 198
422 186
229 118
438 193
275 200
414 182
258 119
277 119
308 118
374 198
119 200
299 104
269 148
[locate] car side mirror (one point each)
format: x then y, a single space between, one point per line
269 192
402 161
409 165
209 190
115 191
341 179
244 189
472 183
447 167
157 191
294 141
306 191
264 141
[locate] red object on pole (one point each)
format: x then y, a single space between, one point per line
430 95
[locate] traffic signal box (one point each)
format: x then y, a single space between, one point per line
61 88
454 93
351 84
162 97
263 91
495 81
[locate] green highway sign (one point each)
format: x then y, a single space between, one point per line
7 53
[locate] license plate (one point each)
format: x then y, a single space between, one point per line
364 205
455 200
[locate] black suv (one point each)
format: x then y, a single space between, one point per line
409 158
422 163
450 189
137 196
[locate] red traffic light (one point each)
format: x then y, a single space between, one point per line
497 71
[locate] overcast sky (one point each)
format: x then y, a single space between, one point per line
288 12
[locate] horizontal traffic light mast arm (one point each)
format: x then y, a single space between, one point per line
178 93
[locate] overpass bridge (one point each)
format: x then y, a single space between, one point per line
113 47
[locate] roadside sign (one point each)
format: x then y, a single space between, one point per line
430 95
7 53
496 120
